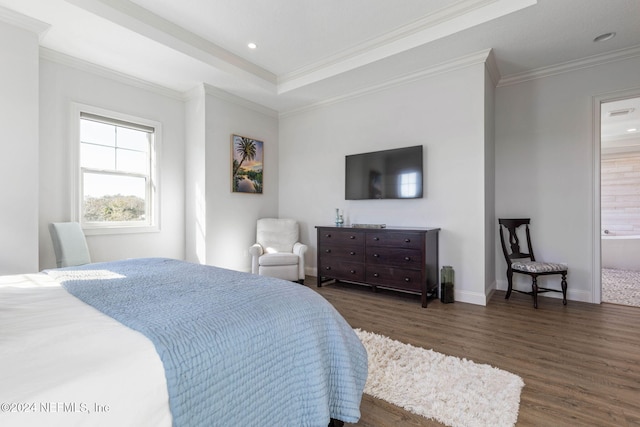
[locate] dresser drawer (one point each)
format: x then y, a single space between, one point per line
403 258
409 280
340 270
396 239
341 237
346 253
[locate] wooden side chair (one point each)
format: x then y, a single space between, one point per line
525 263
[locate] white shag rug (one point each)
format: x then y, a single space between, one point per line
453 391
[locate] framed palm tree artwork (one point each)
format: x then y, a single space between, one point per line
247 156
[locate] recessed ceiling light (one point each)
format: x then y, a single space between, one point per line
252 45
604 37
632 130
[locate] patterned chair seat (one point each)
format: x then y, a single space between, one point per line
538 267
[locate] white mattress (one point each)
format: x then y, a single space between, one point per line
63 363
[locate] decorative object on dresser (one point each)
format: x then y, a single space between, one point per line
369 225
525 263
397 258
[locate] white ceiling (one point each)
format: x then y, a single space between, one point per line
313 50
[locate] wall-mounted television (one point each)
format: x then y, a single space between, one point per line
387 174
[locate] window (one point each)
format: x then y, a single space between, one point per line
116 185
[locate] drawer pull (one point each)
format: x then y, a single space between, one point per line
376 275
327 251
352 253
327 268
327 235
376 238
352 271
407 258
352 237
406 279
407 240
376 255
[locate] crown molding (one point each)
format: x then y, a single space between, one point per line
235 99
196 92
25 22
456 64
444 22
567 67
82 65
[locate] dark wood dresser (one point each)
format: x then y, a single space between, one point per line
399 258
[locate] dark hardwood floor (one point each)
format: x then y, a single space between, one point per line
580 362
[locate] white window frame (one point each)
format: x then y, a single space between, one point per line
93 228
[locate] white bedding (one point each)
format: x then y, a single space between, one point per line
63 363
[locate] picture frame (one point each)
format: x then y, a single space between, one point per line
247 164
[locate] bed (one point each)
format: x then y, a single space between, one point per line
201 346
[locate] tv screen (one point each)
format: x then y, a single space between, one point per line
388 174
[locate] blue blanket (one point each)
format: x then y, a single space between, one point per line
238 349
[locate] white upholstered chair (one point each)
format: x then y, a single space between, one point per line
69 244
277 251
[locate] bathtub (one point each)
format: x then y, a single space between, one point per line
620 252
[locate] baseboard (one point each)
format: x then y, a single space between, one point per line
476 298
572 294
459 295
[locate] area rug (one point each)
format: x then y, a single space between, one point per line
453 391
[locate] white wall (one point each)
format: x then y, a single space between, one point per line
60 85
445 114
231 217
195 177
544 164
19 148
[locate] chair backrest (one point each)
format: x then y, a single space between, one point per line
277 235
69 244
514 251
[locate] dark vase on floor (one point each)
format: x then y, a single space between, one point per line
446 284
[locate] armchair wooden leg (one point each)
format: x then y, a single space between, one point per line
564 289
534 289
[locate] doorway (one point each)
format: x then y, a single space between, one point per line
620 200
